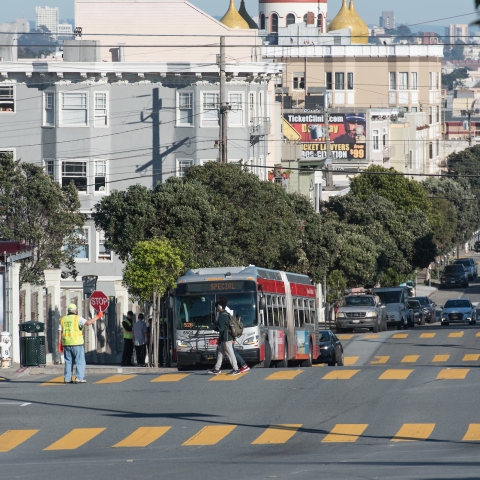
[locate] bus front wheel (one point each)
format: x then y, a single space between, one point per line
309 362
267 363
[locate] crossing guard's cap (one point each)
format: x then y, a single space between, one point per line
72 307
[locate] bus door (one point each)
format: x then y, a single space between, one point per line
302 334
289 318
274 320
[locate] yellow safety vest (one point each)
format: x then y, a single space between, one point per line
126 334
71 332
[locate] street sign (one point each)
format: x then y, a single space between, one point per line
99 301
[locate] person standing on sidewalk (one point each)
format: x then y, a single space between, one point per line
127 325
225 339
70 336
140 340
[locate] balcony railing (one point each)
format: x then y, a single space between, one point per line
259 126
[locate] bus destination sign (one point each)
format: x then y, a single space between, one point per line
217 286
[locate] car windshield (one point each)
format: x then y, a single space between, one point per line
390 297
413 304
423 300
324 336
198 311
453 269
467 262
358 302
457 304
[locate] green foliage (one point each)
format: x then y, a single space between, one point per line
153 267
36 43
337 284
35 209
451 80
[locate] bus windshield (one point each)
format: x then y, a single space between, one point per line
197 312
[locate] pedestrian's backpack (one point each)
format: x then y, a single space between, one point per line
235 326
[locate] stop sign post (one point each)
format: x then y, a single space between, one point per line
99 301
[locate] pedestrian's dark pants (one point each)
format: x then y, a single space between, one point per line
127 352
141 351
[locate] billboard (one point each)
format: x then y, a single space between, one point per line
347 135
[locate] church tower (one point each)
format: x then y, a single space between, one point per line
280 13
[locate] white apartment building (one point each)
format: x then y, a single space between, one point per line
457 31
48 17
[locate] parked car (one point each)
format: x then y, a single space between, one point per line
361 311
331 349
454 274
475 266
428 308
395 300
467 263
477 246
459 310
416 312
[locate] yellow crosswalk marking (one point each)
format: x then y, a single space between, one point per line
13 438
380 360
350 361
456 335
115 379
75 439
453 374
478 334
340 375
411 432
345 337
410 358
471 357
143 437
372 335
55 382
427 335
276 434
440 358
284 375
210 435
345 433
170 377
393 374
473 433
226 377
400 335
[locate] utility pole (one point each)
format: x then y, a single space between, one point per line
471 111
328 162
222 144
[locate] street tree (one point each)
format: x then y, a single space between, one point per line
34 209
152 269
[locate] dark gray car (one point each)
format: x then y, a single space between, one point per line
428 308
469 267
454 275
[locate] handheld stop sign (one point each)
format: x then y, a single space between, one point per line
99 301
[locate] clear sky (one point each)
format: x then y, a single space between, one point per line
406 11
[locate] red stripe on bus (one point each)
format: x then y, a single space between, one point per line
262 353
299 290
272 286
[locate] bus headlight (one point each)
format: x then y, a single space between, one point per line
251 340
183 344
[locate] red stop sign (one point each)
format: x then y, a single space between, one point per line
99 301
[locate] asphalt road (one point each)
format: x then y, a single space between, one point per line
403 407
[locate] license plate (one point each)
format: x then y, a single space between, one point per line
356 321
213 341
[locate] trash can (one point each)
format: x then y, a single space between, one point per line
32 347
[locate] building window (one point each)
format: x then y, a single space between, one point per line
350 80
103 253
185 109
320 22
430 115
101 176
410 159
262 21
7 99
82 253
438 114
251 106
183 166
414 81
261 109
305 18
74 109
235 116
49 109
101 109
430 150
393 81
376 140
290 19
414 109
438 147
49 166
403 81
75 172
328 80
211 109
274 21
299 81
339 81
5 152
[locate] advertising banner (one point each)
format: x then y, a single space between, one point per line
347 135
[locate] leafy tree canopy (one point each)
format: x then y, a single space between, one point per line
35 209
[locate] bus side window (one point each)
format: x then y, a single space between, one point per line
313 312
276 313
295 312
283 313
301 313
269 321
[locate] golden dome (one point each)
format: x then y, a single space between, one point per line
360 30
243 12
349 18
232 19
342 20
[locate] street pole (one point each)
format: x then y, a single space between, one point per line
469 112
328 163
223 105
